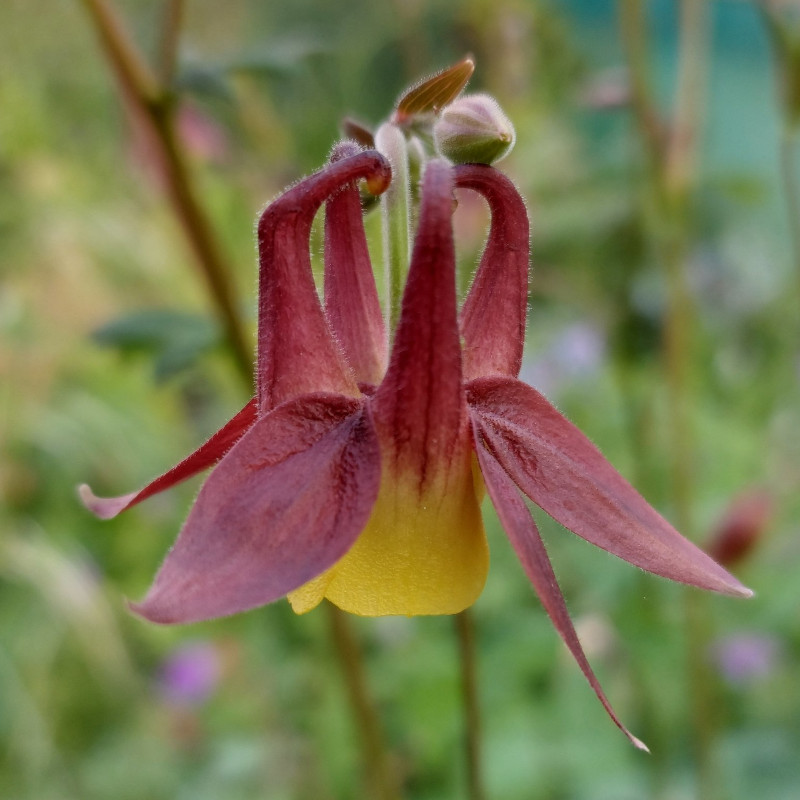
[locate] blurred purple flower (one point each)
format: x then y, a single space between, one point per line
576 352
190 673
746 657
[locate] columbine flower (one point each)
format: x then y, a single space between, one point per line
356 474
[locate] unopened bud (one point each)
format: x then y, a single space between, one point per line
741 528
474 130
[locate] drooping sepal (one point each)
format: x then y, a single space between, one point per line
285 504
561 471
529 547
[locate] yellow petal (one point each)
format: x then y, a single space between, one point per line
417 555
311 594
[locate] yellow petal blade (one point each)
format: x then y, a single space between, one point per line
417 555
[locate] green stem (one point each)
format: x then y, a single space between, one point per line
679 176
672 162
465 630
791 190
173 19
633 31
687 118
204 244
383 785
396 216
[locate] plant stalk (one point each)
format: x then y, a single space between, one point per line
396 219
170 36
671 156
465 630
383 785
154 104
791 190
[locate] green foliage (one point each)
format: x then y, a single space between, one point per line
173 340
86 237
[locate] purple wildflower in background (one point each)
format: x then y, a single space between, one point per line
577 352
746 657
190 674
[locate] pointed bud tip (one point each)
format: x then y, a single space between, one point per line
358 132
431 94
638 743
474 130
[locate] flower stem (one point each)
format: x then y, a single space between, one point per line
679 178
170 35
154 104
791 190
465 630
633 32
383 785
671 156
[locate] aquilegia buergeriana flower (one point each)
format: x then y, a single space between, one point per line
356 474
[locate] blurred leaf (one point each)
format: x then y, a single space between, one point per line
277 56
176 339
205 80
271 58
75 594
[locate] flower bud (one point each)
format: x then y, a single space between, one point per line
741 528
474 130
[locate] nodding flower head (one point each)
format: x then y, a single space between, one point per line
357 471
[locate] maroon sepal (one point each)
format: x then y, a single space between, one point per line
286 503
561 471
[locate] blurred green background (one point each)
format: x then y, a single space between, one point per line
111 369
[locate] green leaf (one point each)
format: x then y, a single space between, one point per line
174 339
